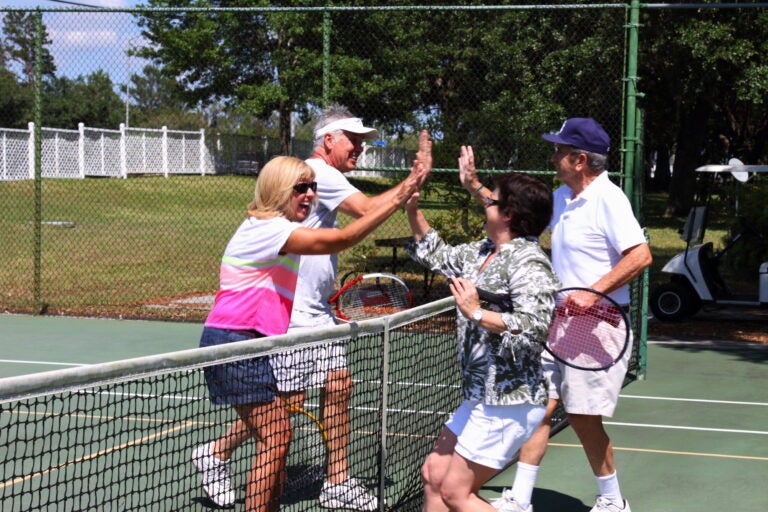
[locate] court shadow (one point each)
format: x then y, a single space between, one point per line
302 483
208 503
547 500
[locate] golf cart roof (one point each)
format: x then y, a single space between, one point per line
733 168
738 170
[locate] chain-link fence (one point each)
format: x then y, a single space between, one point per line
154 122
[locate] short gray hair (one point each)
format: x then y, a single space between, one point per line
332 113
597 162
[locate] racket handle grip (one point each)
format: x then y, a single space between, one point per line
499 299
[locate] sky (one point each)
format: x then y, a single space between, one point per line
85 42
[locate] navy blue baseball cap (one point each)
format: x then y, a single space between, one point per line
582 133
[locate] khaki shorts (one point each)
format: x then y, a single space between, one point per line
308 368
586 392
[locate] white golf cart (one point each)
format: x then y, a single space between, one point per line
695 278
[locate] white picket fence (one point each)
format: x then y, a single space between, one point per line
100 152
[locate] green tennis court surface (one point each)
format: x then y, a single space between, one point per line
119 436
690 437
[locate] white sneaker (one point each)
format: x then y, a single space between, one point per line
350 494
605 505
507 503
214 475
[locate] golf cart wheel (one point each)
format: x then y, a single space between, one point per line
673 301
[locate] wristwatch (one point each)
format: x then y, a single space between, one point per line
477 315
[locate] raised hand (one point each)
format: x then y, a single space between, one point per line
412 183
467 171
424 156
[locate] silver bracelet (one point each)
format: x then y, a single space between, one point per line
478 189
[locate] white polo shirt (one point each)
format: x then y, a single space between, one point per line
317 274
590 232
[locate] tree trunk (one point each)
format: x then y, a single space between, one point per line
690 142
662 175
286 141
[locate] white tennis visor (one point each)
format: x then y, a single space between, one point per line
350 124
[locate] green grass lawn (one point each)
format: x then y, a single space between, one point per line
143 242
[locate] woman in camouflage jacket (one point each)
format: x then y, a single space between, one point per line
499 346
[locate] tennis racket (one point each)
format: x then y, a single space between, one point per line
371 296
592 339
308 454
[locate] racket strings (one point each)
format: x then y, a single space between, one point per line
593 338
369 299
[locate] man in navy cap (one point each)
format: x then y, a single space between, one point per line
596 243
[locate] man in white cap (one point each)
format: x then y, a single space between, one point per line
338 143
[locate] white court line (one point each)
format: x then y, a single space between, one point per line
678 427
701 400
95 455
670 452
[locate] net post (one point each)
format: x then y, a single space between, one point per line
383 408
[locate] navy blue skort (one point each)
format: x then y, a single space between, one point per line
250 381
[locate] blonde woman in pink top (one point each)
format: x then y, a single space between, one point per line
258 277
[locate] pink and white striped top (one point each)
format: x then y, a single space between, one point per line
257 284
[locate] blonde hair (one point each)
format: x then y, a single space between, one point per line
274 186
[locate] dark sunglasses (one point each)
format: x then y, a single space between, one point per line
488 201
302 188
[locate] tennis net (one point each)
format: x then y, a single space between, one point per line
119 436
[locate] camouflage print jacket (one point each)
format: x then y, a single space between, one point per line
499 369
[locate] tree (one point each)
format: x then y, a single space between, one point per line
19 46
496 88
252 62
89 99
705 78
156 100
16 102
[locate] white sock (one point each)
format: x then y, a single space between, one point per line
609 488
525 480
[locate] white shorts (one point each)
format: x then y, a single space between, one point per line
308 368
491 435
586 392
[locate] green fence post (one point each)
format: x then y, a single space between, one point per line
38 216
633 173
327 27
630 136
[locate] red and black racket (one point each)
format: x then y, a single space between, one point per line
371 296
593 338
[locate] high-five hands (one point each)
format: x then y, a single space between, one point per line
467 171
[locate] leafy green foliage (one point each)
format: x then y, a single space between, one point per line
257 63
86 99
19 29
745 257
156 100
16 101
704 79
